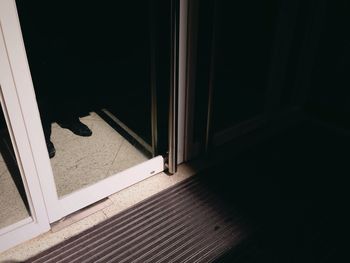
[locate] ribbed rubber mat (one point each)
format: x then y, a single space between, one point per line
185 223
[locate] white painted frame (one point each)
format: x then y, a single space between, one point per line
56 207
14 115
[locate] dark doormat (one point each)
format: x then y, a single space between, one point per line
185 223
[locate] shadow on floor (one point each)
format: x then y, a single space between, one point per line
290 189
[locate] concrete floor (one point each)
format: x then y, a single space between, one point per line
83 161
79 162
12 208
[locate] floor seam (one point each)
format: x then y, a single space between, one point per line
115 157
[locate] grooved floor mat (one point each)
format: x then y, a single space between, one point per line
185 223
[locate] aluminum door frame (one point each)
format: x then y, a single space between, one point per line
38 222
56 207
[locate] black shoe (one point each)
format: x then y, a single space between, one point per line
51 149
77 127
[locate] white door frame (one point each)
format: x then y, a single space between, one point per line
56 207
14 113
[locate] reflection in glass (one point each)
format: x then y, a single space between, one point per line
13 201
237 38
244 37
90 65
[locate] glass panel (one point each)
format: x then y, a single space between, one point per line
241 49
243 45
91 68
13 201
203 67
328 94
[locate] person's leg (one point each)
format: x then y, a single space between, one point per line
47 133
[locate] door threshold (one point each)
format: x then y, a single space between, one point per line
80 214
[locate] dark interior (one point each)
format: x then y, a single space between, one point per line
285 63
86 57
290 189
265 58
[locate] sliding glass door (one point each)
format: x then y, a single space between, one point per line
244 57
22 210
98 71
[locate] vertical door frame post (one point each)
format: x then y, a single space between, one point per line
209 122
174 84
153 79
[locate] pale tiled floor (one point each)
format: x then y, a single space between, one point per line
82 161
12 208
79 161
116 203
